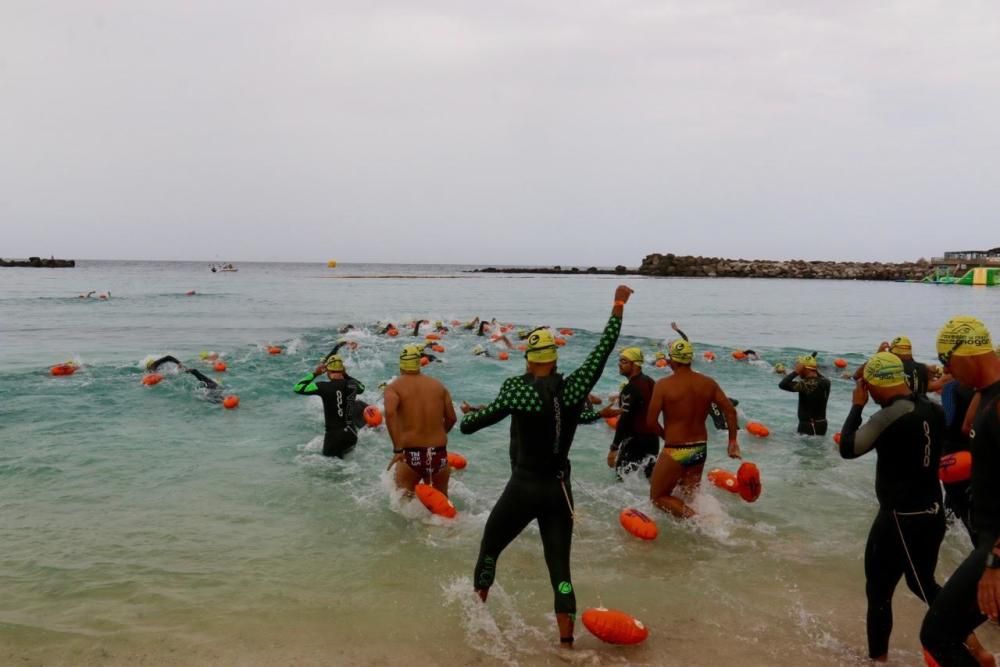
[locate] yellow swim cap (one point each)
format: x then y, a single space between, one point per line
438 324
885 369
541 347
203 355
633 354
963 336
334 364
409 359
901 345
807 361
681 351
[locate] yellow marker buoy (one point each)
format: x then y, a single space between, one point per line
332 264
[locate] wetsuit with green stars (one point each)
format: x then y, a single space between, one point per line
544 415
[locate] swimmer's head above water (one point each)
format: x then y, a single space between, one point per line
965 350
680 353
541 347
901 347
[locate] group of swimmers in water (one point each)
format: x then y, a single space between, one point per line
909 433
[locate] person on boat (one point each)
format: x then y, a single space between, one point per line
339 394
685 400
907 531
972 593
814 392
544 407
419 415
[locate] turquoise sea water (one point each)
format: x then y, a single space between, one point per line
145 525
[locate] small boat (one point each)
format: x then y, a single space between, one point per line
224 268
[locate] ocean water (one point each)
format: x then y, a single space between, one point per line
146 525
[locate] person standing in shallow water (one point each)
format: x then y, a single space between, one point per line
339 394
419 414
813 390
544 408
685 400
635 445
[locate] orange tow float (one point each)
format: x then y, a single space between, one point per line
724 480
613 626
372 415
457 461
638 523
151 378
64 369
220 366
435 501
758 429
748 481
231 402
955 467
275 349
840 363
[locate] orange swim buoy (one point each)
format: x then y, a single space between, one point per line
638 523
724 480
709 355
560 341
63 369
438 348
151 378
748 481
393 332
758 429
231 402
435 501
220 366
190 293
613 626
836 437
503 356
840 363
424 361
432 336
955 467
457 461
566 332
739 355
661 363
274 349
929 659
611 421
372 415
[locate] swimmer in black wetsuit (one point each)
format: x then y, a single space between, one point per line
339 396
972 593
956 401
544 407
213 391
907 532
813 390
917 374
635 445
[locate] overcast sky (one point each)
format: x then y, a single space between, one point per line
526 132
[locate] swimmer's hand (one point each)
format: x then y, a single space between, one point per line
612 458
734 450
622 293
595 399
466 408
989 593
319 370
860 395
394 460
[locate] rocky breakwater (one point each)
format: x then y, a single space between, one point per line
687 266
39 263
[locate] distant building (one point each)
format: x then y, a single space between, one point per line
961 260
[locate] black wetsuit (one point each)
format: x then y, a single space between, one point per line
813 393
213 392
339 409
917 376
955 613
955 400
544 415
637 444
908 529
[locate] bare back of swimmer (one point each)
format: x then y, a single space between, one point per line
684 399
419 414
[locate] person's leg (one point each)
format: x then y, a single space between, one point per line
666 474
884 563
555 523
513 511
441 474
921 539
955 614
339 443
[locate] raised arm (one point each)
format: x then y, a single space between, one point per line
582 380
855 441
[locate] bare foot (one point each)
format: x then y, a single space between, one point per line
482 593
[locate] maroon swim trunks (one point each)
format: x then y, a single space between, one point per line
426 461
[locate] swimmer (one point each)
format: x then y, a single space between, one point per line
907 531
917 374
779 368
543 406
972 594
419 414
339 394
635 446
416 326
346 328
213 391
813 390
87 295
685 399
439 327
104 296
481 351
387 328
342 343
472 324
